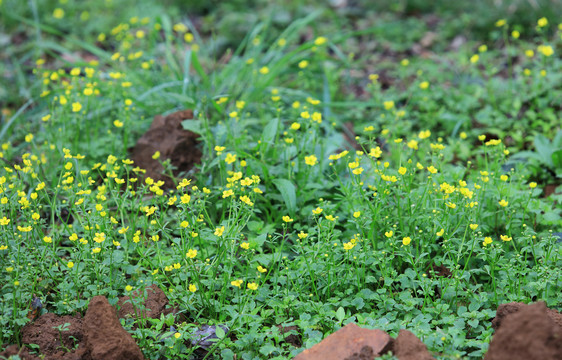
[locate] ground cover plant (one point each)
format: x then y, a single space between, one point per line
345 177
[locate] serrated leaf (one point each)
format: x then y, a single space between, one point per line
473 323
358 303
473 306
227 354
267 349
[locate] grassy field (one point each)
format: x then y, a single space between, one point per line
388 165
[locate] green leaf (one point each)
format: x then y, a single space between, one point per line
557 141
260 240
473 306
557 159
255 226
186 67
358 303
199 69
219 332
473 323
193 125
267 349
340 314
184 100
527 155
543 146
459 323
551 217
227 354
270 131
287 190
167 28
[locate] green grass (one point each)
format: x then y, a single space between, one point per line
285 222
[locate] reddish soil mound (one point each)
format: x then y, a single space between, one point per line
105 337
407 346
506 309
167 136
349 342
153 304
65 344
354 343
526 332
522 332
99 335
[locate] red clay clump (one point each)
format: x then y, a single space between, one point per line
99 335
526 332
167 136
105 337
54 344
354 343
153 304
349 342
407 346
505 309
366 353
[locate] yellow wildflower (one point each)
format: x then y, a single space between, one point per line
311 160
252 286
191 253
219 231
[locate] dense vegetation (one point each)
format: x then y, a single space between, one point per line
385 166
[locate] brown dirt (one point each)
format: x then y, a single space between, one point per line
105 337
167 135
550 189
13 350
152 307
526 332
441 271
366 353
522 332
99 335
506 309
293 339
408 347
349 343
43 332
